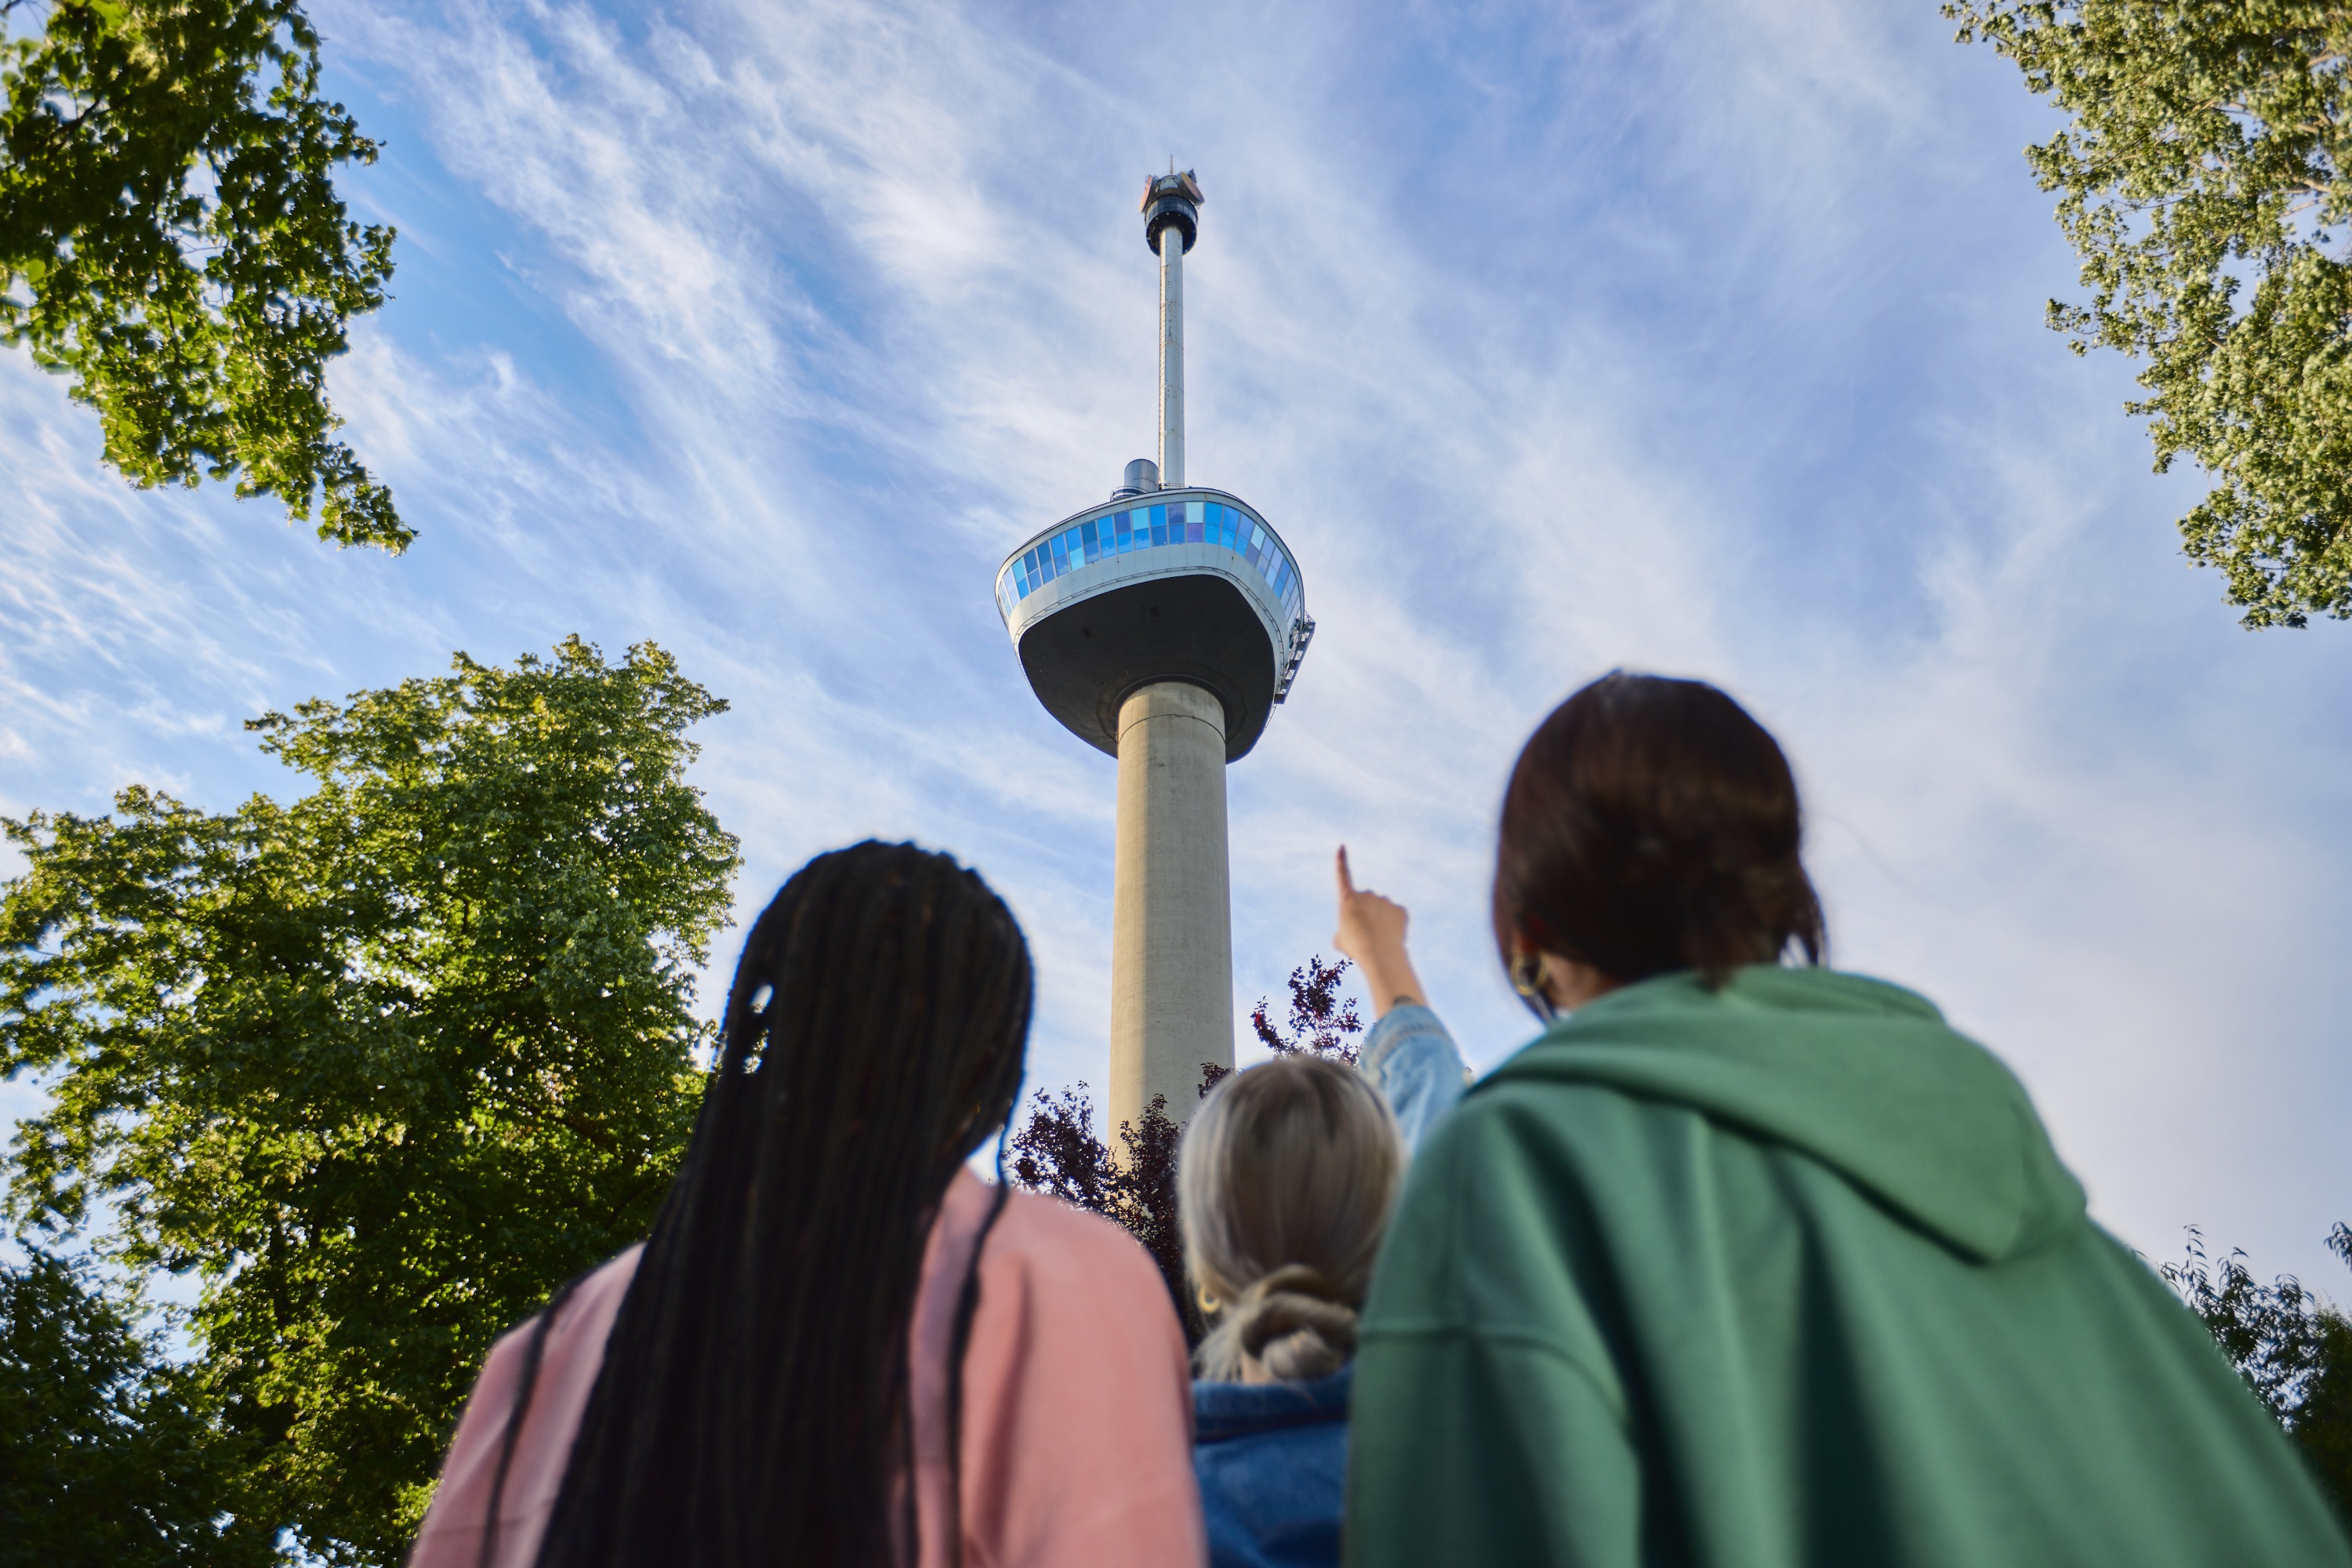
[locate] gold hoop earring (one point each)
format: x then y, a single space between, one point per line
1209 1304
1527 976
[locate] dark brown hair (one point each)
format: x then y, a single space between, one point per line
1650 825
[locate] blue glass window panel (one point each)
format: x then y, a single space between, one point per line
1019 586
1075 543
1214 519
1158 528
1122 534
1061 562
1234 519
1029 568
1282 572
1195 514
1093 541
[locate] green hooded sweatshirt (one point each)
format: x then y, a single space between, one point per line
1786 1273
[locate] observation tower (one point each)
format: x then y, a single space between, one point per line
1164 626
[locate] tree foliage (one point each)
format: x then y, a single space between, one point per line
2293 1350
380 1066
2201 180
171 238
109 1451
1322 1022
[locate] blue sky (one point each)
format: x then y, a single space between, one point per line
1701 336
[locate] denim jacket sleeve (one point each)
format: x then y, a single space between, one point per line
1412 1060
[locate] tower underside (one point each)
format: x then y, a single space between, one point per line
1085 662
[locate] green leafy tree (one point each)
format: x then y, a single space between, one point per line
2201 180
109 1453
380 1066
171 238
2293 1350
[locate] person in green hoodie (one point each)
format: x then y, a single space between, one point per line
1745 1262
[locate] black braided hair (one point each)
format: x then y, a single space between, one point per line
753 1402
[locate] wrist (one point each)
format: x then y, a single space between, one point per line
1392 984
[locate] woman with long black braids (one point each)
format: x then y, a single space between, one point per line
839 1346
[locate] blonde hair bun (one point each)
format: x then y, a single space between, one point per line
1295 1325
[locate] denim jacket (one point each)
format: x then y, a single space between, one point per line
1413 1062
1272 1463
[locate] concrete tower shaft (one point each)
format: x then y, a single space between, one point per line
1171 956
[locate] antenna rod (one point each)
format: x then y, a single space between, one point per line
1171 224
1171 357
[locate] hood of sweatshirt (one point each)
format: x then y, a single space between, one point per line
1863 1076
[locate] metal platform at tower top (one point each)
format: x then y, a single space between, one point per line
1239 631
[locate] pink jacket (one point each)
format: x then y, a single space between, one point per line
1077 1441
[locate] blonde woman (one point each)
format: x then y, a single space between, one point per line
1285 1180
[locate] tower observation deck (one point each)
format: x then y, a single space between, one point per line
1164 626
